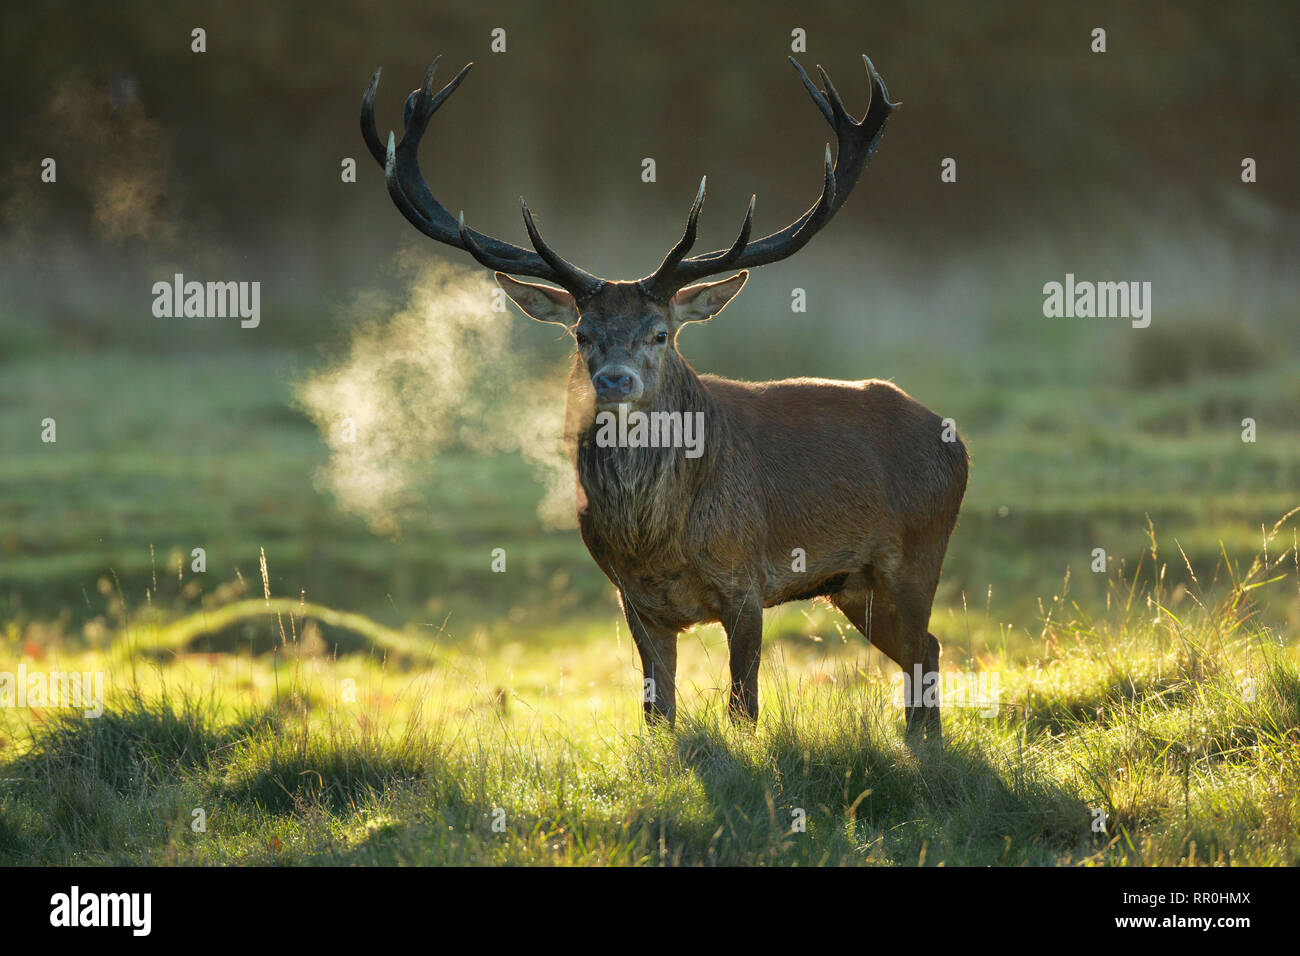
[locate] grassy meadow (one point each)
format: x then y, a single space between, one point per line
323 693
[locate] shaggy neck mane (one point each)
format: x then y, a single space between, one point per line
638 496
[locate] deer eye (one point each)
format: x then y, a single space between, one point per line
583 341
661 337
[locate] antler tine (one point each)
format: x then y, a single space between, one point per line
414 199
832 94
880 107
817 96
567 274
683 246
418 109
742 239
820 214
472 247
856 141
668 278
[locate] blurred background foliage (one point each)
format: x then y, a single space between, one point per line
233 155
1124 165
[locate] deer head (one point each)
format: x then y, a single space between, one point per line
625 330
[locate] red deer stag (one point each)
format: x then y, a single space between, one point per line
801 487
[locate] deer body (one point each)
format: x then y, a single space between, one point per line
801 488
852 477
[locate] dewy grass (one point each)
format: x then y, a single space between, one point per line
1159 731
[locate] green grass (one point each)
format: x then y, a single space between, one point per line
1179 730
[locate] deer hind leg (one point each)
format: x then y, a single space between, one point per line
859 597
920 662
899 617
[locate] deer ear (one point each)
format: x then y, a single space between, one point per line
540 302
698 302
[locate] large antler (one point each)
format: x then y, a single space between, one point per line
412 196
855 142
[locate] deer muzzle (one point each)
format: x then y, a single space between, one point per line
617 384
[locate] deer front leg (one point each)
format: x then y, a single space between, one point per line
744 626
658 648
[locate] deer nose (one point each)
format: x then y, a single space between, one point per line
614 385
